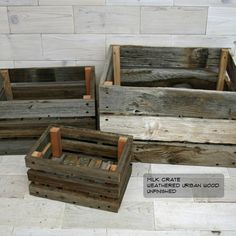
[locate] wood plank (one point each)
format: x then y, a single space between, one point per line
21 128
48 90
171 128
206 216
108 204
222 71
75 184
169 57
121 144
231 70
107 71
89 148
53 74
116 64
184 154
6 84
55 137
15 146
188 78
92 135
88 78
47 108
167 102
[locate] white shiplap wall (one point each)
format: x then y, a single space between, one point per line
78 32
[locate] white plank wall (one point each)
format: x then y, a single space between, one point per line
78 32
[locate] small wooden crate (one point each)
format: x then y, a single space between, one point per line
93 170
178 103
31 99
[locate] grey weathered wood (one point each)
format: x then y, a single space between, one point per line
48 90
89 148
172 129
46 74
197 79
108 204
167 102
185 154
47 108
75 184
106 75
161 57
83 134
23 128
231 70
15 146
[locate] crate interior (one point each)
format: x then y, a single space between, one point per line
48 83
190 68
81 149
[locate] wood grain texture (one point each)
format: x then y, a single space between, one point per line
36 214
41 19
71 2
157 20
48 90
231 70
13 186
221 19
11 47
46 108
140 2
206 217
68 47
219 3
167 102
4 26
132 215
18 2
171 129
197 79
107 19
169 57
31 128
185 154
222 69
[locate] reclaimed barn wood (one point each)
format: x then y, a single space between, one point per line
167 102
196 79
86 167
166 57
16 146
231 70
172 129
169 95
48 90
47 108
184 153
44 96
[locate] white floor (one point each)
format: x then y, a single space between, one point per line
24 215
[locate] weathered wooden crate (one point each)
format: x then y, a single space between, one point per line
178 103
93 170
31 99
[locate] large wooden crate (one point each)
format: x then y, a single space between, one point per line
92 170
31 99
178 103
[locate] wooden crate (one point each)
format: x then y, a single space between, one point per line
178 103
31 99
93 169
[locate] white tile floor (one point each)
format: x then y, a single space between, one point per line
25 215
